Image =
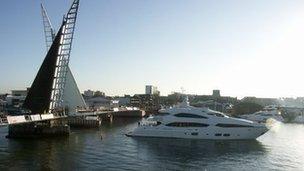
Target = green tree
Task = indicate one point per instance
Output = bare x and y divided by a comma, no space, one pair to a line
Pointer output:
246,108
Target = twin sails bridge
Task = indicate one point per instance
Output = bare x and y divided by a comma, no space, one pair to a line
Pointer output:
54,101
54,95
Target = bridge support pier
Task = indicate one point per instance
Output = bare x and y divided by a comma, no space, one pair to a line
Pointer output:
82,122
50,128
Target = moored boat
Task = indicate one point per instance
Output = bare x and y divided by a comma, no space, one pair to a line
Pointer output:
185,121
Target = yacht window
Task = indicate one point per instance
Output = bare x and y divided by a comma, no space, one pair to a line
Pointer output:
231,125
218,134
216,114
150,123
226,135
187,124
163,114
194,133
188,115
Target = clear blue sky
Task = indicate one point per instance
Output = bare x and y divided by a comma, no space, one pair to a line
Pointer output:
243,48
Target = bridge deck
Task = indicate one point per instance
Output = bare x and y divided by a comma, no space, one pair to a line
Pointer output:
21,119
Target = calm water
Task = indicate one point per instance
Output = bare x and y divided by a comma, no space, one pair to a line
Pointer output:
282,148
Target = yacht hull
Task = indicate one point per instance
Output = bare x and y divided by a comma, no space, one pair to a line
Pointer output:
210,133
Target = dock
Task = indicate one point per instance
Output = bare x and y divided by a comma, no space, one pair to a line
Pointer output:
46,125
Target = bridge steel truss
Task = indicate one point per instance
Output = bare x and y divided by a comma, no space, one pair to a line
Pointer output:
49,32
64,52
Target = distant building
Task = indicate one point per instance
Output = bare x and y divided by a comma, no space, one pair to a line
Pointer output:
124,101
172,99
2,105
214,101
98,103
292,102
147,102
88,93
3,96
2,102
99,94
216,93
16,98
152,90
261,101
20,92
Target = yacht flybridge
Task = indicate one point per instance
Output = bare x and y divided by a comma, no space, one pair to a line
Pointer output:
185,121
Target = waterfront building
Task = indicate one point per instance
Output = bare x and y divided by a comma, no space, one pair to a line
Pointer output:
16,101
98,103
124,101
16,98
147,102
103,103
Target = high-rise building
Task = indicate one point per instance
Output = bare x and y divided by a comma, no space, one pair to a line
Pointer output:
152,90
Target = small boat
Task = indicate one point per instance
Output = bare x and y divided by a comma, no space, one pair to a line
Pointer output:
299,119
269,112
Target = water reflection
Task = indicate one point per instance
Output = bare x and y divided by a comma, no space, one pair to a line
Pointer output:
196,153
39,154
84,149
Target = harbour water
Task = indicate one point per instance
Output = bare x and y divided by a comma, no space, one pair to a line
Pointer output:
282,148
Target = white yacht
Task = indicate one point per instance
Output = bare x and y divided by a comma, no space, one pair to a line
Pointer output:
299,119
185,121
293,114
269,112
